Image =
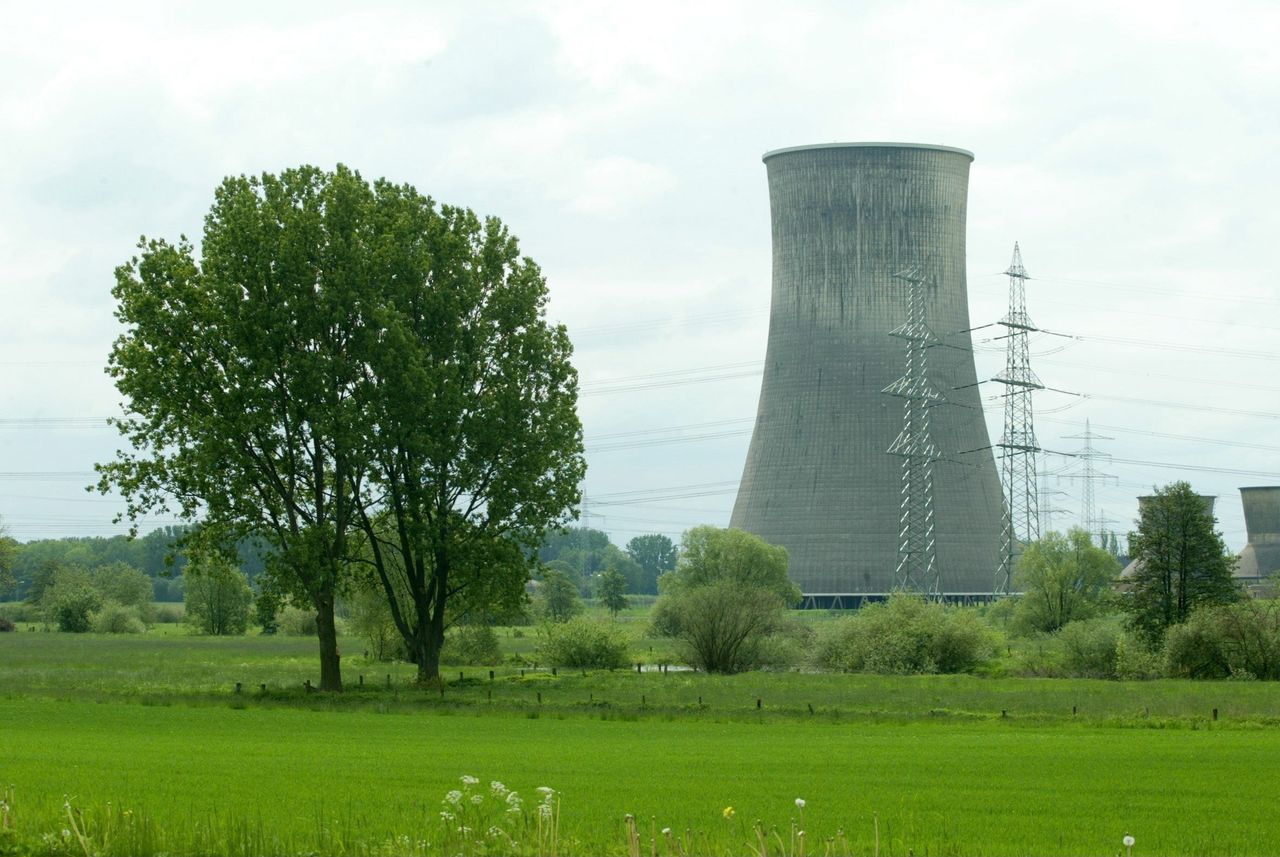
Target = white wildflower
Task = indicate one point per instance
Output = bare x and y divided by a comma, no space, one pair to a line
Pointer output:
477,799
544,810
513,798
666,831
454,797
545,791
495,832
66,834
446,815
497,788
800,803
468,780
1128,841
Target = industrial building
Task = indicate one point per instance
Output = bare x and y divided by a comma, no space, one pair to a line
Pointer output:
1260,558
847,220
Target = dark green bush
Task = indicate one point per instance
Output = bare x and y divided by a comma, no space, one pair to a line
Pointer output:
906,635
582,642
1240,640
116,618
471,645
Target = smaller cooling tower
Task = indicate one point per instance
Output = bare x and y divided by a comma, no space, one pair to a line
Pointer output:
1261,556
1208,501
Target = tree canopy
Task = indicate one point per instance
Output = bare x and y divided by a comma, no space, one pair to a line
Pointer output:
1181,561
728,592
1062,578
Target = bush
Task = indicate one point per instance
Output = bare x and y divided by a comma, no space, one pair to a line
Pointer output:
582,642
168,614
116,618
70,600
906,635
1228,641
371,621
471,645
1089,647
296,622
5,625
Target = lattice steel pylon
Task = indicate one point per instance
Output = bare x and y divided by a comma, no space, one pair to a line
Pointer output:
917,560
1088,475
1017,446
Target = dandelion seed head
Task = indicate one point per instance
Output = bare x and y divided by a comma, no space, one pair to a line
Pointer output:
800,802
1128,841
666,831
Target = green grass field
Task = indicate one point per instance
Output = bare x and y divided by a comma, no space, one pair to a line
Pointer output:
150,725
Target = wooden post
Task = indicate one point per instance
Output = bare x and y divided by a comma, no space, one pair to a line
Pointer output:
263,687
237,687
362,681
521,673
388,679
1215,714
553,670
642,701
307,685
1004,713
490,675
758,703
1073,711
638,669
459,675
539,697
811,708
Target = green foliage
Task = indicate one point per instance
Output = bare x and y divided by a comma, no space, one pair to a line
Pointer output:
126,585
372,622
655,554
728,593
472,645
585,643
8,553
1062,579
1182,562
116,618
1090,646
611,590
70,598
217,598
296,621
906,635
1239,640
557,599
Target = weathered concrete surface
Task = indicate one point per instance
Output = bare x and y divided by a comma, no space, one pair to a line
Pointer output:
818,479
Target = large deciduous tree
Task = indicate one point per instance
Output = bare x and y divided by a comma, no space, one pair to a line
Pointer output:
1181,561
474,441
656,554
238,370
1062,578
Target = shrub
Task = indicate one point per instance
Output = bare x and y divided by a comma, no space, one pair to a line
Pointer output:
1089,647
906,635
371,621
169,614
582,642
296,622
471,645
71,600
5,625
1226,641
116,618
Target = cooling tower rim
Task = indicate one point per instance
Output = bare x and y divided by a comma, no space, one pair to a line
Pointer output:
767,155
1260,488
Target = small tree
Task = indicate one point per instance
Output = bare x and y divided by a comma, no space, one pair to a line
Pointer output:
1182,562
611,589
217,597
1062,579
8,553
70,599
127,586
655,554
728,592
558,596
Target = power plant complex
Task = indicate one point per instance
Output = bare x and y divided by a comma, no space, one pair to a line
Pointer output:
870,459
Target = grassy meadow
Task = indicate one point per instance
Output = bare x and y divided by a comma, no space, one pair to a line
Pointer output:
146,739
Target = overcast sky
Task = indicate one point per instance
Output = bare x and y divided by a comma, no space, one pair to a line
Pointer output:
1130,147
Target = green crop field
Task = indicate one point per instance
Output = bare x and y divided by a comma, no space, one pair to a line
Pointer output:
156,754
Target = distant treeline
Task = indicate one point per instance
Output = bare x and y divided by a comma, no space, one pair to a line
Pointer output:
153,554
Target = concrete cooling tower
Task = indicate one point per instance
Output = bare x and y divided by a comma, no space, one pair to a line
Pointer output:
819,479
1261,556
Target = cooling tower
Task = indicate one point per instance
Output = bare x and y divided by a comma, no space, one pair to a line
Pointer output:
818,478
1261,556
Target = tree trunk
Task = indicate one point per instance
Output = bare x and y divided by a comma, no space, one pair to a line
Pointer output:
327,630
